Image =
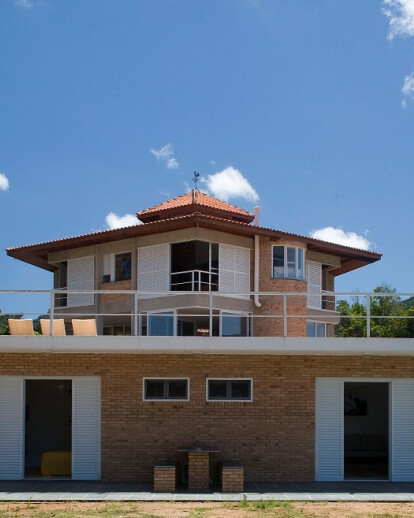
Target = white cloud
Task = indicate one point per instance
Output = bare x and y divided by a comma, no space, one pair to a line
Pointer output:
408,86
114,221
230,183
401,17
339,236
166,155
26,4
4,182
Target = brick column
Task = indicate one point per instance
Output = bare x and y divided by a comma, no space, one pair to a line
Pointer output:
198,470
164,478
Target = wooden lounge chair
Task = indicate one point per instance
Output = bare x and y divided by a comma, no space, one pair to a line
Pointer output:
84,327
58,327
21,327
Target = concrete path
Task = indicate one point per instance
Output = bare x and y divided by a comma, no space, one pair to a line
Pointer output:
68,490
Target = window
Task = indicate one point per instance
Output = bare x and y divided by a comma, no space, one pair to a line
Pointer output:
194,266
234,324
161,324
157,389
288,262
229,389
116,267
316,329
123,266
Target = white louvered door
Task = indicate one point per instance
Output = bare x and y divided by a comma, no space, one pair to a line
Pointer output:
154,269
86,428
234,270
402,431
314,280
329,449
11,428
81,276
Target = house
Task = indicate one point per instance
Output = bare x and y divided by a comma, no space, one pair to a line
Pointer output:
211,330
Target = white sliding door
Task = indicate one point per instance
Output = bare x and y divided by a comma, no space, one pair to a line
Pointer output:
11,428
329,424
86,428
402,430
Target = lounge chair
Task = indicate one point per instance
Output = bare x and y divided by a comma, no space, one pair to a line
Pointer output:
21,327
84,327
58,327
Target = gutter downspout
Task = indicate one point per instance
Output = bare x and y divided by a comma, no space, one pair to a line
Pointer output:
256,260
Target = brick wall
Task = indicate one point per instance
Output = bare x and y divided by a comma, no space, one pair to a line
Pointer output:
272,438
273,305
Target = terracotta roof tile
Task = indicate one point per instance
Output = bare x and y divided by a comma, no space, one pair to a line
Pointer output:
195,197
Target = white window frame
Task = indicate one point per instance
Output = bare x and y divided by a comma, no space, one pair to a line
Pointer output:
165,378
230,400
285,267
315,322
238,313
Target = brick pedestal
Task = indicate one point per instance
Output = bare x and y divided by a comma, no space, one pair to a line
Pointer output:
164,477
232,477
198,470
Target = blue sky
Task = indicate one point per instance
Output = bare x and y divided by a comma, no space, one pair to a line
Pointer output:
108,106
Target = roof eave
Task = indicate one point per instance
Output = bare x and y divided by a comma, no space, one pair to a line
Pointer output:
37,254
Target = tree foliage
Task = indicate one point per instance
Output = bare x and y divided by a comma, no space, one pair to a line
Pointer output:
390,316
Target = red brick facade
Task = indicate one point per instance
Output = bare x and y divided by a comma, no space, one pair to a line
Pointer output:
272,437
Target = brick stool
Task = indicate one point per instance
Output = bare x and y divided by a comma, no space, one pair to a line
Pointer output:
164,477
232,477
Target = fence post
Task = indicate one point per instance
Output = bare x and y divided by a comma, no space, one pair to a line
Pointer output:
285,332
52,311
135,313
368,316
210,331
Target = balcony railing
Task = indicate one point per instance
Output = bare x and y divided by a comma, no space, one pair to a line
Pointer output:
194,280
282,314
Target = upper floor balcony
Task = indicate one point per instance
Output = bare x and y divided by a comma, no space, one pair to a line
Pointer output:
363,323
268,314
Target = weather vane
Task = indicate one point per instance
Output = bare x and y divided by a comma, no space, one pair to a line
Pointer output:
196,178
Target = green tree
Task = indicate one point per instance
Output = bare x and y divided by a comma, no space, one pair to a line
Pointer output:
383,309
4,324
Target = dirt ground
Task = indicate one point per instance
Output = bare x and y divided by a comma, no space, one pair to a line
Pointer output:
261,509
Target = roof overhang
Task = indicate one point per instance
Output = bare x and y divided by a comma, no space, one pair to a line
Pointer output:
37,254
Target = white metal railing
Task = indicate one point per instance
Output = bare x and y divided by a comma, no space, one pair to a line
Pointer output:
194,280
211,312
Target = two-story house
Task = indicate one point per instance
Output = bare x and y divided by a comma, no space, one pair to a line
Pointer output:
211,330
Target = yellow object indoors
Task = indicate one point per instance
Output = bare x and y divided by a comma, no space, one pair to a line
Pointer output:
56,463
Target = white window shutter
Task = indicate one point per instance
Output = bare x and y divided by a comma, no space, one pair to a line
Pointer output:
242,271
81,276
234,270
154,269
402,434
329,449
86,428
314,279
11,428
226,268
161,268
